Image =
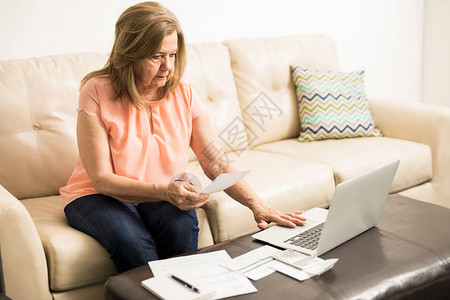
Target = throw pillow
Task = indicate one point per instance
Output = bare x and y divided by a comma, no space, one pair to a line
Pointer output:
332,105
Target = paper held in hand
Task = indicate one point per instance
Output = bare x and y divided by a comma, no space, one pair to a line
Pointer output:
224,181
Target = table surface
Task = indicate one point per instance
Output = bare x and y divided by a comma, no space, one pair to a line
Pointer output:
407,256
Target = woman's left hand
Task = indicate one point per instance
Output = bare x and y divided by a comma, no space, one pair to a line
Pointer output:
264,215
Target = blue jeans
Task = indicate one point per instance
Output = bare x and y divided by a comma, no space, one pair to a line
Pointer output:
134,234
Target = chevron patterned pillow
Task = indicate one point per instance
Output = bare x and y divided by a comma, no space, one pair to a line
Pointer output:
332,105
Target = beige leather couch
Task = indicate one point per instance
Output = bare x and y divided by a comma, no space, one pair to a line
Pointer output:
250,97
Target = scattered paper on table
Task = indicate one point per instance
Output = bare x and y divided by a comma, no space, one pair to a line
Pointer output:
230,277
265,260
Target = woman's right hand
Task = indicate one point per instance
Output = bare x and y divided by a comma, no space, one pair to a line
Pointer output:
185,196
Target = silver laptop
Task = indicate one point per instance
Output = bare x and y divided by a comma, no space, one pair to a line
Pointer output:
356,206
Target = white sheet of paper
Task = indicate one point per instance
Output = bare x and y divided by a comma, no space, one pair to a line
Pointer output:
254,264
224,181
206,268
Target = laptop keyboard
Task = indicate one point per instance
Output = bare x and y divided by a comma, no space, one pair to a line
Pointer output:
307,239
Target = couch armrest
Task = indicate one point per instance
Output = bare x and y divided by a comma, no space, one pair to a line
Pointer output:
422,123
23,258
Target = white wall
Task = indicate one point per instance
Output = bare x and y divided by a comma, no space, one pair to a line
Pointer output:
436,52
384,37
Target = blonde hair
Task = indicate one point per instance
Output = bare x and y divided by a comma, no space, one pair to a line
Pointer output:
139,33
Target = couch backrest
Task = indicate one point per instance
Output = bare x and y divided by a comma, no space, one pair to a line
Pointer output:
38,100
261,69
209,71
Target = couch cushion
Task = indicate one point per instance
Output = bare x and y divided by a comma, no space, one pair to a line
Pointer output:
352,157
332,105
209,71
39,97
283,182
261,69
74,259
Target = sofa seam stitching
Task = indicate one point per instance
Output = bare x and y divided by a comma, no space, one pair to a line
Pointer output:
323,287
418,288
440,256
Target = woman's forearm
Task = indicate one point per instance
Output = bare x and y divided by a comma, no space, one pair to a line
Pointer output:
129,190
243,193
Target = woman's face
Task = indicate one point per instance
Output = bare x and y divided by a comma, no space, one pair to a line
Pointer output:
153,72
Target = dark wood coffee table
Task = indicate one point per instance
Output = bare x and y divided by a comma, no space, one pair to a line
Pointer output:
406,256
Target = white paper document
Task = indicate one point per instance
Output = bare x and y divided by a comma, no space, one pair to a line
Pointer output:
265,260
224,181
206,268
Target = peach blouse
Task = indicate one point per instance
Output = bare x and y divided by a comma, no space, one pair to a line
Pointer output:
146,149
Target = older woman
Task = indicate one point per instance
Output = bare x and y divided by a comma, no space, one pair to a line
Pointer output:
136,124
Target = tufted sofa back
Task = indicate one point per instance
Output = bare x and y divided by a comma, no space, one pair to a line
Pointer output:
261,69
38,100
209,71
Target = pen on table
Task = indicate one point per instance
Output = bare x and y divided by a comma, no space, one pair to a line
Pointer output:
185,283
